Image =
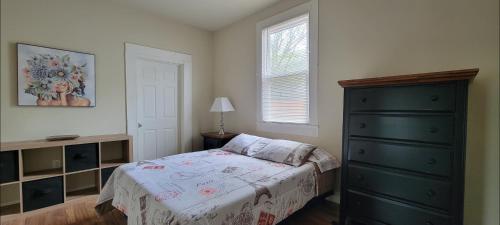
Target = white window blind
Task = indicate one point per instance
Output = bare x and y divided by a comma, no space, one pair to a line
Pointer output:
285,71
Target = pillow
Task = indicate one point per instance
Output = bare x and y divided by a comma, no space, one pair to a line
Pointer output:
284,151
257,146
324,160
239,143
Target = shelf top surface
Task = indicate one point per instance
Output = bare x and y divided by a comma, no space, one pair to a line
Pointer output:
17,145
466,74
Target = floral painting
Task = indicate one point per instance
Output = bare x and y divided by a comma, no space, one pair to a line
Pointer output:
54,77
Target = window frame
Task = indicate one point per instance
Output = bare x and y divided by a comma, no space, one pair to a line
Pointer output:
304,129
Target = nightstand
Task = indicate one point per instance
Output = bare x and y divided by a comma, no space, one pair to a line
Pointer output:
213,140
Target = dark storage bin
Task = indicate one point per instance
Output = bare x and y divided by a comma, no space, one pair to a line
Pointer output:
9,166
105,174
81,157
42,193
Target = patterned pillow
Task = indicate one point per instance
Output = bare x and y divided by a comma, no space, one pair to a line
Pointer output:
257,146
240,143
284,151
324,160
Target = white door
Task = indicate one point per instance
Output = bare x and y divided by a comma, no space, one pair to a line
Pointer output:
159,99
157,117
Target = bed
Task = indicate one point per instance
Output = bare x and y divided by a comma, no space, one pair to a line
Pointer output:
212,187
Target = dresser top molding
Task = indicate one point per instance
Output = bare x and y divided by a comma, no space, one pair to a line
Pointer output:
420,78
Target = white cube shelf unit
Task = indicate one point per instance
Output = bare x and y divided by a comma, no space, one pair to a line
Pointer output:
38,174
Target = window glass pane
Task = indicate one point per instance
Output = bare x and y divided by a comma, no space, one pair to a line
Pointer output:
285,79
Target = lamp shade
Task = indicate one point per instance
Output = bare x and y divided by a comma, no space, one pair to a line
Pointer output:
221,104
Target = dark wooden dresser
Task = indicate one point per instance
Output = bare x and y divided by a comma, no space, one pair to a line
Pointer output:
404,149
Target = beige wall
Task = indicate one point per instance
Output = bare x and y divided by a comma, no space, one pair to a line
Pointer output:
100,28
364,38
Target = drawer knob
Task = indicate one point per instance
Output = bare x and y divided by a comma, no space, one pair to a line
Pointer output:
434,98
362,125
364,100
433,130
431,161
429,223
361,177
431,193
361,151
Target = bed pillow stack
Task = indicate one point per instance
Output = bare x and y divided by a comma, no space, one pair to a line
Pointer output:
281,151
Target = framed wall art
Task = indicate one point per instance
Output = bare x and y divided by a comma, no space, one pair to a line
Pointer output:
55,77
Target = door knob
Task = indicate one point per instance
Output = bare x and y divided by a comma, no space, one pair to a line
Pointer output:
139,125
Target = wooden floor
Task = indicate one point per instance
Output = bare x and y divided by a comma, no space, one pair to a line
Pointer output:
81,212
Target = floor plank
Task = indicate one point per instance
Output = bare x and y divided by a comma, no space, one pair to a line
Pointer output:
81,212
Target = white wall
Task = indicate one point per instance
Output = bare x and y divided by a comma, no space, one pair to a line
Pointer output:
101,28
366,38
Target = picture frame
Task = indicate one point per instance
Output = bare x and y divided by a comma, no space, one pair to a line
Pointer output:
52,77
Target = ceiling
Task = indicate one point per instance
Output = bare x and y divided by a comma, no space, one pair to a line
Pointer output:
205,14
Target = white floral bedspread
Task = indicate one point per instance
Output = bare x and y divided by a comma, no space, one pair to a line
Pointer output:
209,188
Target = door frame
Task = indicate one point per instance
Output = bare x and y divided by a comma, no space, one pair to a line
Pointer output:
184,61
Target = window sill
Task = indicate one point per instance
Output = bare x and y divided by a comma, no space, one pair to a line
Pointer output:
289,128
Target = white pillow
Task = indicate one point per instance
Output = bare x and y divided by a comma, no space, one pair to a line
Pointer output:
240,143
324,160
257,146
284,151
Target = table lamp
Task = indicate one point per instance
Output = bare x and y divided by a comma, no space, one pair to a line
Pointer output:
221,104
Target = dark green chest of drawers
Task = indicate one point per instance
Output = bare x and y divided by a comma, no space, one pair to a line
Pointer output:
404,149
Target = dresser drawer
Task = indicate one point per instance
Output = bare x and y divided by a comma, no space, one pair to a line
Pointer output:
435,129
391,212
404,98
420,159
42,193
81,157
417,189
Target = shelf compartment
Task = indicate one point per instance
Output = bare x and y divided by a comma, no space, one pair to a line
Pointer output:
82,184
105,174
9,165
81,157
10,202
114,153
39,163
42,193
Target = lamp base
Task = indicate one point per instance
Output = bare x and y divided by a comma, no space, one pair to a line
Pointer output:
221,130
221,126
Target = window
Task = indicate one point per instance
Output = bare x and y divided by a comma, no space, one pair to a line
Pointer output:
287,71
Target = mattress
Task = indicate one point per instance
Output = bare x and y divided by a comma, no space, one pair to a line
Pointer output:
211,187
